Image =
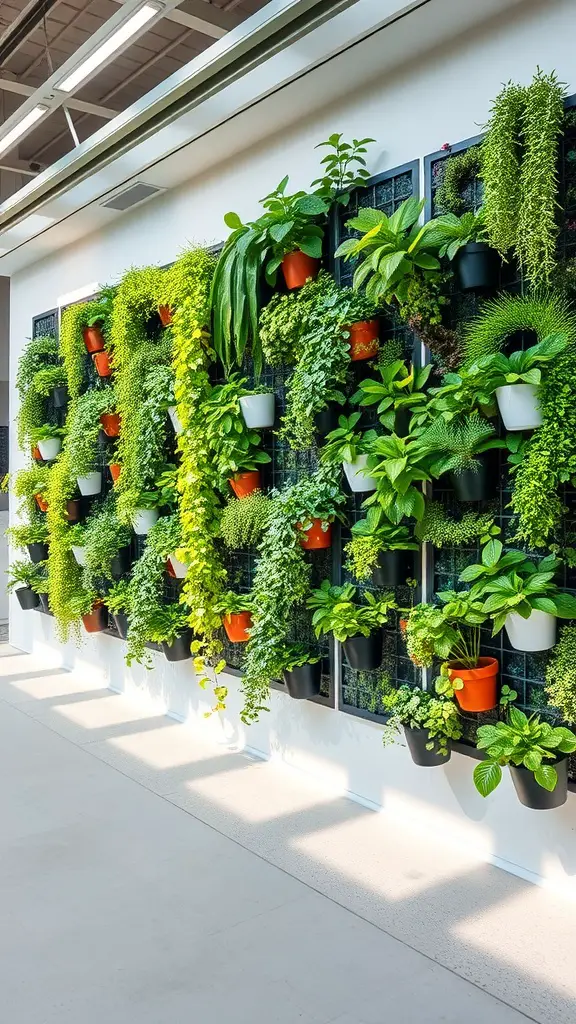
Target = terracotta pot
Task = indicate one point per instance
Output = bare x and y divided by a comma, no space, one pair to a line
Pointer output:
110,423
244,484
403,626
36,453
165,314
41,502
93,339
115,470
73,511
236,626
102,364
96,620
316,538
363,339
169,569
298,268
480,684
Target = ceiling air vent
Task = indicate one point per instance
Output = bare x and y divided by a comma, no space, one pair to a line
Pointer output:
136,193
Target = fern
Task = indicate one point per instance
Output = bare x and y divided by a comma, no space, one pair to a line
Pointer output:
544,313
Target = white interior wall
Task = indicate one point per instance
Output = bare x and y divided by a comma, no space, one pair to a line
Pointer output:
444,97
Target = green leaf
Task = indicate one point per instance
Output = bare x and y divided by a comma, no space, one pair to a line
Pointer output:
232,220
312,206
312,247
546,776
279,231
487,776
491,553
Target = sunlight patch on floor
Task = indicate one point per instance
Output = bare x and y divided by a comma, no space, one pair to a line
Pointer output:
168,746
111,710
257,792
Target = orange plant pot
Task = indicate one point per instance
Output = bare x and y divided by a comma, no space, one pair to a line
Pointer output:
237,626
36,453
115,470
96,620
480,684
165,314
316,538
102,364
244,484
110,423
93,339
169,569
364,335
41,502
298,268
403,626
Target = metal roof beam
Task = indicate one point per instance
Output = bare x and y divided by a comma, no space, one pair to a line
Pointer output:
23,25
7,85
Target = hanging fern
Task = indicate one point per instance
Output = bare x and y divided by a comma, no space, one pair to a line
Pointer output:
544,313
459,171
501,165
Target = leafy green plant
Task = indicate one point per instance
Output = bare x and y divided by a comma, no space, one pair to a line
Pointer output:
103,536
399,464
49,378
83,428
457,232
461,394
64,574
145,592
501,155
295,655
231,603
459,171
29,482
100,311
46,432
372,535
561,675
441,529
526,588
344,168
419,709
143,440
33,532
72,348
454,448
447,631
117,599
244,520
345,443
520,367
32,368
168,622
26,574
235,446
525,742
401,389
501,317
335,611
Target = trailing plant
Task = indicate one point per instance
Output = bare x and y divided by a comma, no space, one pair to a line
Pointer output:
561,675
501,156
31,481
83,427
72,348
447,631
459,171
117,599
400,465
49,378
244,520
104,535
64,573
143,435
26,574
454,448
32,371
37,354
420,709
100,310
335,611
167,487
524,741
401,389
372,535
145,592
235,447
441,529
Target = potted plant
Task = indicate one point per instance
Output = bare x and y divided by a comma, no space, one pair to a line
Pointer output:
73,511
301,671
430,722
102,363
165,314
32,580
357,627
33,536
82,439
535,752
258,408
115,470
465,240
515,380
49,441
117,602
236,612
76,539
51,382
399,465
399,395
455,449
379,550
111,423
98,313
234,444
352,448
90,483
318,503
244,520
170,629
91,609
103,542
146,512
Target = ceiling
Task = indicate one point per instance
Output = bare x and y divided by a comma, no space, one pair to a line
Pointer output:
38,36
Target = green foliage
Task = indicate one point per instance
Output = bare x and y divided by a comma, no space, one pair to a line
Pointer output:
526,742
33,532
520,367
421,709
344,168
561,675
104,535
83,427
372,535
145,592
38,359
117,598
231,603
49,378
27,574
450,631
454,448
168,623
514,583
501,167
460,170
459,231
400,465
401,389
46,432
72,348
244,520
295,655
64,574
234,446
29,482
441,529
345,443
335,611
544,314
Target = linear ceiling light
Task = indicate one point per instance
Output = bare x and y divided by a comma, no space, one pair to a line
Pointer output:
23,126
131,27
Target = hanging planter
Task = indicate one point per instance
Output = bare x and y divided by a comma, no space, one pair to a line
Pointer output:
27,599
90,484
110,423
326,420
244,484
258,410
392,569
165,314
364,653
474,485
115,470
121,563
120,620
179,569
358,481
41,502
519,406
179,649
60,397
237,625
73,511
316,539
79,552
536,633
417,740
96,620
532,795
36,453
479,692
298,268
364,336
303,681
44,605
143,520
477,267
175,419
102,364
50,448
93,339
37,552
403,623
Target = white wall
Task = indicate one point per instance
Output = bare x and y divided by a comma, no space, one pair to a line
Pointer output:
442,97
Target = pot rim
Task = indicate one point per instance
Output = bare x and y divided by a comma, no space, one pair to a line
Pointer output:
485,668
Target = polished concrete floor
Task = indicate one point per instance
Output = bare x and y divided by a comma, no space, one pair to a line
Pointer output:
147,877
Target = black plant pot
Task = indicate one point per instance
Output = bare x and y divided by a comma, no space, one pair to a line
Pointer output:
44,603
38,552
179,649
402,423
392,569
27,599
475,486
477,267
417,740
303,682
121,623
364,653
326,420
60,397
532,795
121,563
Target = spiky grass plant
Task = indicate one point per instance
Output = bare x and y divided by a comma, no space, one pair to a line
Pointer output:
544,313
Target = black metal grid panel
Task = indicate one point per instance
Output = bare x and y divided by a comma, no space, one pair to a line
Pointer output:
361,692
45,324
434,167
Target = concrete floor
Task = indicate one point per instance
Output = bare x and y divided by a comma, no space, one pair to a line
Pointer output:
147,877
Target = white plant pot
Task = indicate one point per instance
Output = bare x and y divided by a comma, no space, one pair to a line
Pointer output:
519,407
258,411
536,633
180,568
50,448
175,419
79,554
144,519
90,484
355,476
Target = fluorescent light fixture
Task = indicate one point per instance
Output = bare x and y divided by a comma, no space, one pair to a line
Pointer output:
116,41
20,129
